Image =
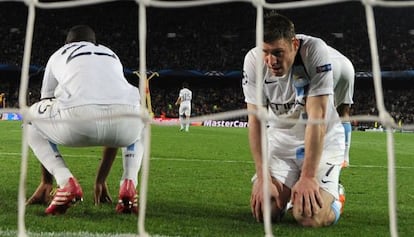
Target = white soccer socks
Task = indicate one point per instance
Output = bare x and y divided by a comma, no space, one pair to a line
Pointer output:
348,131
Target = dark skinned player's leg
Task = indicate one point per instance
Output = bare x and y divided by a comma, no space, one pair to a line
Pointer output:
101,194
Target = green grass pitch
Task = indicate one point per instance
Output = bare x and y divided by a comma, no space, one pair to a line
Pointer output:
199,185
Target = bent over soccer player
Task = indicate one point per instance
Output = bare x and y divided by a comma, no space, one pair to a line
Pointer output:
304,157
83,91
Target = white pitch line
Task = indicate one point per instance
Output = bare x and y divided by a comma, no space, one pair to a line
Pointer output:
5,233
5,154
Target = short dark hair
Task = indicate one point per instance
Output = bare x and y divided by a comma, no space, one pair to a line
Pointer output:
276,27
185,84
81,33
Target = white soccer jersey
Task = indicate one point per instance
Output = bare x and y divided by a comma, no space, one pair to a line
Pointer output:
311,75
67,78
343,74
344,78
185,106
185,95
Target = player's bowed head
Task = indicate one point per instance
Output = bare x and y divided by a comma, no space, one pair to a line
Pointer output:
81,33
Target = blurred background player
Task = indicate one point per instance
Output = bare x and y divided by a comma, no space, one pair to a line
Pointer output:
2,100
184,111
304,158
344,79
83,88
2,103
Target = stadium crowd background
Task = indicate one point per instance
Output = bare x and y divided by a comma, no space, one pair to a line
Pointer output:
212,38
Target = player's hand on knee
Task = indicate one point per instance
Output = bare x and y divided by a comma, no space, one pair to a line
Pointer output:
42,195
256,207
306,198
101,194
257,199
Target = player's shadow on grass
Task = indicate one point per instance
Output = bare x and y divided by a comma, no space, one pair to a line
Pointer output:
83,209
225,216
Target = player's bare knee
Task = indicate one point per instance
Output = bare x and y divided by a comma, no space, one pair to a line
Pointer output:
323,218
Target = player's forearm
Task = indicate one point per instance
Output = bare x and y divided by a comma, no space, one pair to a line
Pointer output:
108,157
314,134
314,137
255,144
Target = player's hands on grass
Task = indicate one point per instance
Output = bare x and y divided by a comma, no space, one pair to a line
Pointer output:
41,195
257,198
101,194
306,198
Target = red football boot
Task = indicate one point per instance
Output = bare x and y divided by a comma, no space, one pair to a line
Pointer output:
65,197
128,198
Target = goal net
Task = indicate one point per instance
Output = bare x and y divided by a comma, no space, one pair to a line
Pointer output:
382,116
